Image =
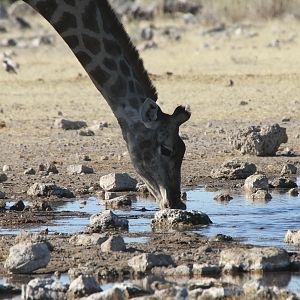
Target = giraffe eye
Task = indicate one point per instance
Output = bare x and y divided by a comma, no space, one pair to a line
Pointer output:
165,150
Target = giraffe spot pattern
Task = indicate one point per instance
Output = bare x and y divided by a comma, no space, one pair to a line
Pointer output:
91,44
99,75
72,41
111,47
47,10
89,17
83,57
124,68
118,88
134,103
139,88
66,22
110,64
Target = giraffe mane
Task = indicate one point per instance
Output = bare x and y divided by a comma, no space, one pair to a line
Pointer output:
130,51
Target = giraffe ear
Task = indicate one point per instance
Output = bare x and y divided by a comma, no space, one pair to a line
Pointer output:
149,111
181,114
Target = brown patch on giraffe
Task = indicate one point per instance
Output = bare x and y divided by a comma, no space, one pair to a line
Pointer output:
91,44
111,47
118,88
124,68
46,10
110,64
70,2
72,41
83,57
66,22
134,102
99,75
89,17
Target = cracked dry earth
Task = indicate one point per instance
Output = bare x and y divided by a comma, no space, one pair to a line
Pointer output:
50,84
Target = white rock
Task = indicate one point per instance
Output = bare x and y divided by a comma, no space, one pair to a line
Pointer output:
88,239
115,182
44,289
146,261
107,220
83,286
27,257
256,182
292,237
114,243
79,169
255,259
6,168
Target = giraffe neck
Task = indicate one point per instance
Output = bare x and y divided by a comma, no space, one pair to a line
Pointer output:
100,43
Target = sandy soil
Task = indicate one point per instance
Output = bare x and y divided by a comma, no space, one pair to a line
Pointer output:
194,70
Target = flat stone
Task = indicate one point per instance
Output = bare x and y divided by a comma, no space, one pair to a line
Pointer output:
79,169
234,169
206,270
118,202
3,177
256,182
68,124
283,183
259,140
255,259
44,288
118,182
27,257
146,261
179,218
88,239
49,189
288,169
107,220
292,237
113,243
83,286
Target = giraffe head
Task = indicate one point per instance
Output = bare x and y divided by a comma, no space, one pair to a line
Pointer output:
157,150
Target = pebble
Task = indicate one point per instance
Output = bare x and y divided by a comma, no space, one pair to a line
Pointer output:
29,171
68,124
6,168
2,195
3,177
79,169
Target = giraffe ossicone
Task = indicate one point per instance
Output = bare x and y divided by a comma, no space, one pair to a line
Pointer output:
102,46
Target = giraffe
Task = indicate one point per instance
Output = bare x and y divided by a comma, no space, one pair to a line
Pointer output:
99,41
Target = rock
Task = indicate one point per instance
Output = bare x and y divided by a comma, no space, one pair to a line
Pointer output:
79,169
49,189
118,182
114,294
171,293
147,33
146,261
228,292
292,237
131,290
2,195
3,177
40,206
18,206
49,168
182,6
107,220
261,195
83,286
44,288
288,169
283,183
221,238
114,243
7,289
206,270
109,195
254,259
6,168
259,140
69,125
27,257
256,182
119,201
179,218
234,169
86,132
293,192
181,270
87,239
223,197
29,171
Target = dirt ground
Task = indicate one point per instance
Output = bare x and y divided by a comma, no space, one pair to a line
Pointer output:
261,60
